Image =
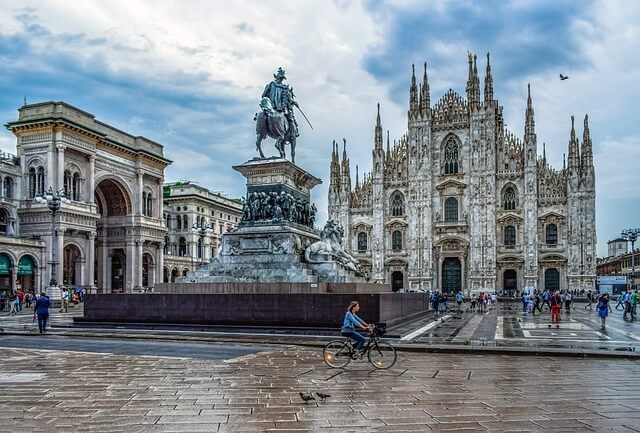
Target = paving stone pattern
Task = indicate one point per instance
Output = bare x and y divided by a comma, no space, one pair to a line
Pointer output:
61,391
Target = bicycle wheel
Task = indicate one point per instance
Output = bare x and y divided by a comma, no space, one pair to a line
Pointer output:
382,355
337,353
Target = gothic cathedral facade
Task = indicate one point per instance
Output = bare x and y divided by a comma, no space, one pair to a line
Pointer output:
459,202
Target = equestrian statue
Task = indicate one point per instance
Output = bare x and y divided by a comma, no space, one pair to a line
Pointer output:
276,118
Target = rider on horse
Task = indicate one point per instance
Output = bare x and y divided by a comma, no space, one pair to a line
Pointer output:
282,99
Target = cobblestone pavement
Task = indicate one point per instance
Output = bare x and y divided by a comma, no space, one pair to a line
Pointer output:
507,325
61,391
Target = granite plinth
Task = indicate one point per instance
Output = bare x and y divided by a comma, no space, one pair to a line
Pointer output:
294,309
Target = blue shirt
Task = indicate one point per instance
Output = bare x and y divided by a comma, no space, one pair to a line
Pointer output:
42,305
350,322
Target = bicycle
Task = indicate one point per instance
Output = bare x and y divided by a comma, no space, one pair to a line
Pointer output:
381,354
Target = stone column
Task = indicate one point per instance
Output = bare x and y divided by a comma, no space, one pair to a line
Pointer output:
160,263
60,167
138,193
104,268
131,269
90,268
14,277
138,271
59,255
90,193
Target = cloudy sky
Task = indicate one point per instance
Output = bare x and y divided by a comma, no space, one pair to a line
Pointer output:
189,75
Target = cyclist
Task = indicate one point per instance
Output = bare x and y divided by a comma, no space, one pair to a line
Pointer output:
351,321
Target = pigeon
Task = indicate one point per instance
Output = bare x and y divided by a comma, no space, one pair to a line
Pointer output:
563,77
306,397
322,395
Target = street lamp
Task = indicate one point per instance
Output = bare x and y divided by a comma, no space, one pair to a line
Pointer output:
202,231
631,235
53,199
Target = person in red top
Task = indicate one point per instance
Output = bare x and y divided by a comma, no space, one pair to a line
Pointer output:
556,306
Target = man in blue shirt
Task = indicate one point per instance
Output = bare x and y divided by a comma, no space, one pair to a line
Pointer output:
351,321
42,310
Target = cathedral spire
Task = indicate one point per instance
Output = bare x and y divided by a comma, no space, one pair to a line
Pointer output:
473,92
529,123
488,84
346,170
587,148
357,177
544,153
378,132
425,102
413,93
574,152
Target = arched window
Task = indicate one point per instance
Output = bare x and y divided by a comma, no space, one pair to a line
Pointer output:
510,236
396,241
8,187
185,222
185,271
32,183
179,222
451,164
166,244
200,249
168,221
509,199
397,205
147,204
40,182
144,203
362,242
67,184
4,221
552,234
75,188
182,249
451,210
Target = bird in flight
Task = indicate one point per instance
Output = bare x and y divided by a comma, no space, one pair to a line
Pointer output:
563,77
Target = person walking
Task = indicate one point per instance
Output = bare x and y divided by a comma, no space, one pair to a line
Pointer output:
568,298
13,303
536,305
556,306
589,301
634,304
620,301
42,311
459,299
65,301
546,296
627,305
603,309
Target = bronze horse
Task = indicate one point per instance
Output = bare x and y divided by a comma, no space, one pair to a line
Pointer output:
274,124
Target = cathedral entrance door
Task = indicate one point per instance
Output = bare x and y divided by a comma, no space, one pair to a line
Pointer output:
552,279
510,281
397,281
451,275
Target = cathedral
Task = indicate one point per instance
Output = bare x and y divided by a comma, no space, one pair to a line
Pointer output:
460,202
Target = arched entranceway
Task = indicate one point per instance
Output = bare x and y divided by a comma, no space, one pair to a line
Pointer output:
451,275
174,274
6,264
165,275
147,270
115,272
71,269
510,281
397,281
552,279
118,268
26,279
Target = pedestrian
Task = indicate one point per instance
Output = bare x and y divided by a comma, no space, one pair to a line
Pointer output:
459,299
603,309
435,299
634,303
589,301
494,298
42,311
568,298
525,301
546,296
537,300
65,301
620,301
627,305
76,300
531,301
13,303
556,306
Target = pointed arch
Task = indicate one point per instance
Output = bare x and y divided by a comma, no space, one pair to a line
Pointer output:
450,155
509,197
